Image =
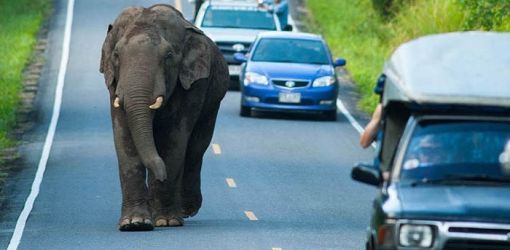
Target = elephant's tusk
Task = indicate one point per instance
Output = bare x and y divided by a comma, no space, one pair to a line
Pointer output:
116,102
157,104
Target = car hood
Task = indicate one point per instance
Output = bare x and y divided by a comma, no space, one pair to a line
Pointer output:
290,70
232,35
464,203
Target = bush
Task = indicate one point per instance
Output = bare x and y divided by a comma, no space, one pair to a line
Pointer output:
389,8
487,14
365,32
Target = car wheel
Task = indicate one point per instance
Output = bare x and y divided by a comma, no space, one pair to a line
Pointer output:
234,85
330,115
245,111
369,245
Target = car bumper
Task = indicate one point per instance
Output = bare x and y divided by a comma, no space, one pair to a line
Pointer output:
311,99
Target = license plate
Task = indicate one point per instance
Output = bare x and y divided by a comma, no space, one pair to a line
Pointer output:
289,97
234,70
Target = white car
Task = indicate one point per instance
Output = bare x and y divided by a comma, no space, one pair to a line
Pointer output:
233,26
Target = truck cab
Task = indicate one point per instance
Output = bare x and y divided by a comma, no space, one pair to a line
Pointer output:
442,167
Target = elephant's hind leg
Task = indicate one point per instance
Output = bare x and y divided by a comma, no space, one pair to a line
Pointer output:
198,144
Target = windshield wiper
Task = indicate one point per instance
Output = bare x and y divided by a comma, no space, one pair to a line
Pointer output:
456,179
480,178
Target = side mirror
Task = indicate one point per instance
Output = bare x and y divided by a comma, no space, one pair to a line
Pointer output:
339,62
240,57
288,27
379,85
367,174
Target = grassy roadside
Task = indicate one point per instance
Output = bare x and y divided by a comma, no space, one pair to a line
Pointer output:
355,31
20,21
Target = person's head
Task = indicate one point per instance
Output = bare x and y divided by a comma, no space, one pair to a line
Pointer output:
430,150
277,1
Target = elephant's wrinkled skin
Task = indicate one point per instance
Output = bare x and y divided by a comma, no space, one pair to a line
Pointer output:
166,80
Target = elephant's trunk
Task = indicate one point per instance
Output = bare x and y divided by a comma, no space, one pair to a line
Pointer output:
140,120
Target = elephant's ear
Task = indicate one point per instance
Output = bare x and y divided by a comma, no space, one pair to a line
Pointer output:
106,66
115,32
196,61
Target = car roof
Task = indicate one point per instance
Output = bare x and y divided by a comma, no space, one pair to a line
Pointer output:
467,68
292,35
251,4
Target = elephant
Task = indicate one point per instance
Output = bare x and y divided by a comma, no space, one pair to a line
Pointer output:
166,80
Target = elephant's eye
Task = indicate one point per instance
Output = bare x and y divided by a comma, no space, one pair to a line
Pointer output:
115,55
168,55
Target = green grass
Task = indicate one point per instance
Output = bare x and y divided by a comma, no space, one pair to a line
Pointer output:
20,21
355,31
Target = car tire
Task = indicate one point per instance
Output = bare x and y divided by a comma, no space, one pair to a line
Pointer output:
369,245
330,115
245,111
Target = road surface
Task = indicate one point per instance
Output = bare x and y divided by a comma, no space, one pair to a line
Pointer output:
269,182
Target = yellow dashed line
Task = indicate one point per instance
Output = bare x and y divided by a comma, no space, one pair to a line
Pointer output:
216,149
231,183
250,215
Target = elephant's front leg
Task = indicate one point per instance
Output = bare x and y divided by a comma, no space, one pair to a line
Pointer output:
166,196
136,215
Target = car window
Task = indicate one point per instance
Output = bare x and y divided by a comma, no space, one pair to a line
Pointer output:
442,149
243,18
290,50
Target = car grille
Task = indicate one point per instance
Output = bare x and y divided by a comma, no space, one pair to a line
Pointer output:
297,84
476,245
473,230
227,47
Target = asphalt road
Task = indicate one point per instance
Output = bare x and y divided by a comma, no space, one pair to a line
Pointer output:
269,182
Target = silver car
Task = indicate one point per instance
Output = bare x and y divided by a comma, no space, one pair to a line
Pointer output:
233,26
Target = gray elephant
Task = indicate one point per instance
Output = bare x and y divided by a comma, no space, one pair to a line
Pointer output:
166,80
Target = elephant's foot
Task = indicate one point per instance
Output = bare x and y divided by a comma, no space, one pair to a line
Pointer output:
135,223
169,221
189,211
191,204
136,216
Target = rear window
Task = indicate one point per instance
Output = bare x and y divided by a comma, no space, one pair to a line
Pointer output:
291,51
242,18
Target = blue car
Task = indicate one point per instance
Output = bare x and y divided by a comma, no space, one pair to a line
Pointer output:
289,71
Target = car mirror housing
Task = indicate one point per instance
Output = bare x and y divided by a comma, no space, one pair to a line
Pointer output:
340,62
240,57
366,173
288,27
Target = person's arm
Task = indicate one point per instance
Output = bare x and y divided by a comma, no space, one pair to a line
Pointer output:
370,132
281,7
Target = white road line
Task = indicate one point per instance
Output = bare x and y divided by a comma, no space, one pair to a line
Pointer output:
250,215
22,220
216,149
231,183
350,118
339,103
348,115
276,248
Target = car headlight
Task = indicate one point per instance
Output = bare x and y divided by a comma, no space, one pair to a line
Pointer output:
252,77
324,81
416,235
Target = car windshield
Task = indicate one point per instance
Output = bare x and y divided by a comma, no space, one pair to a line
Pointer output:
239,17
460,151
290,51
